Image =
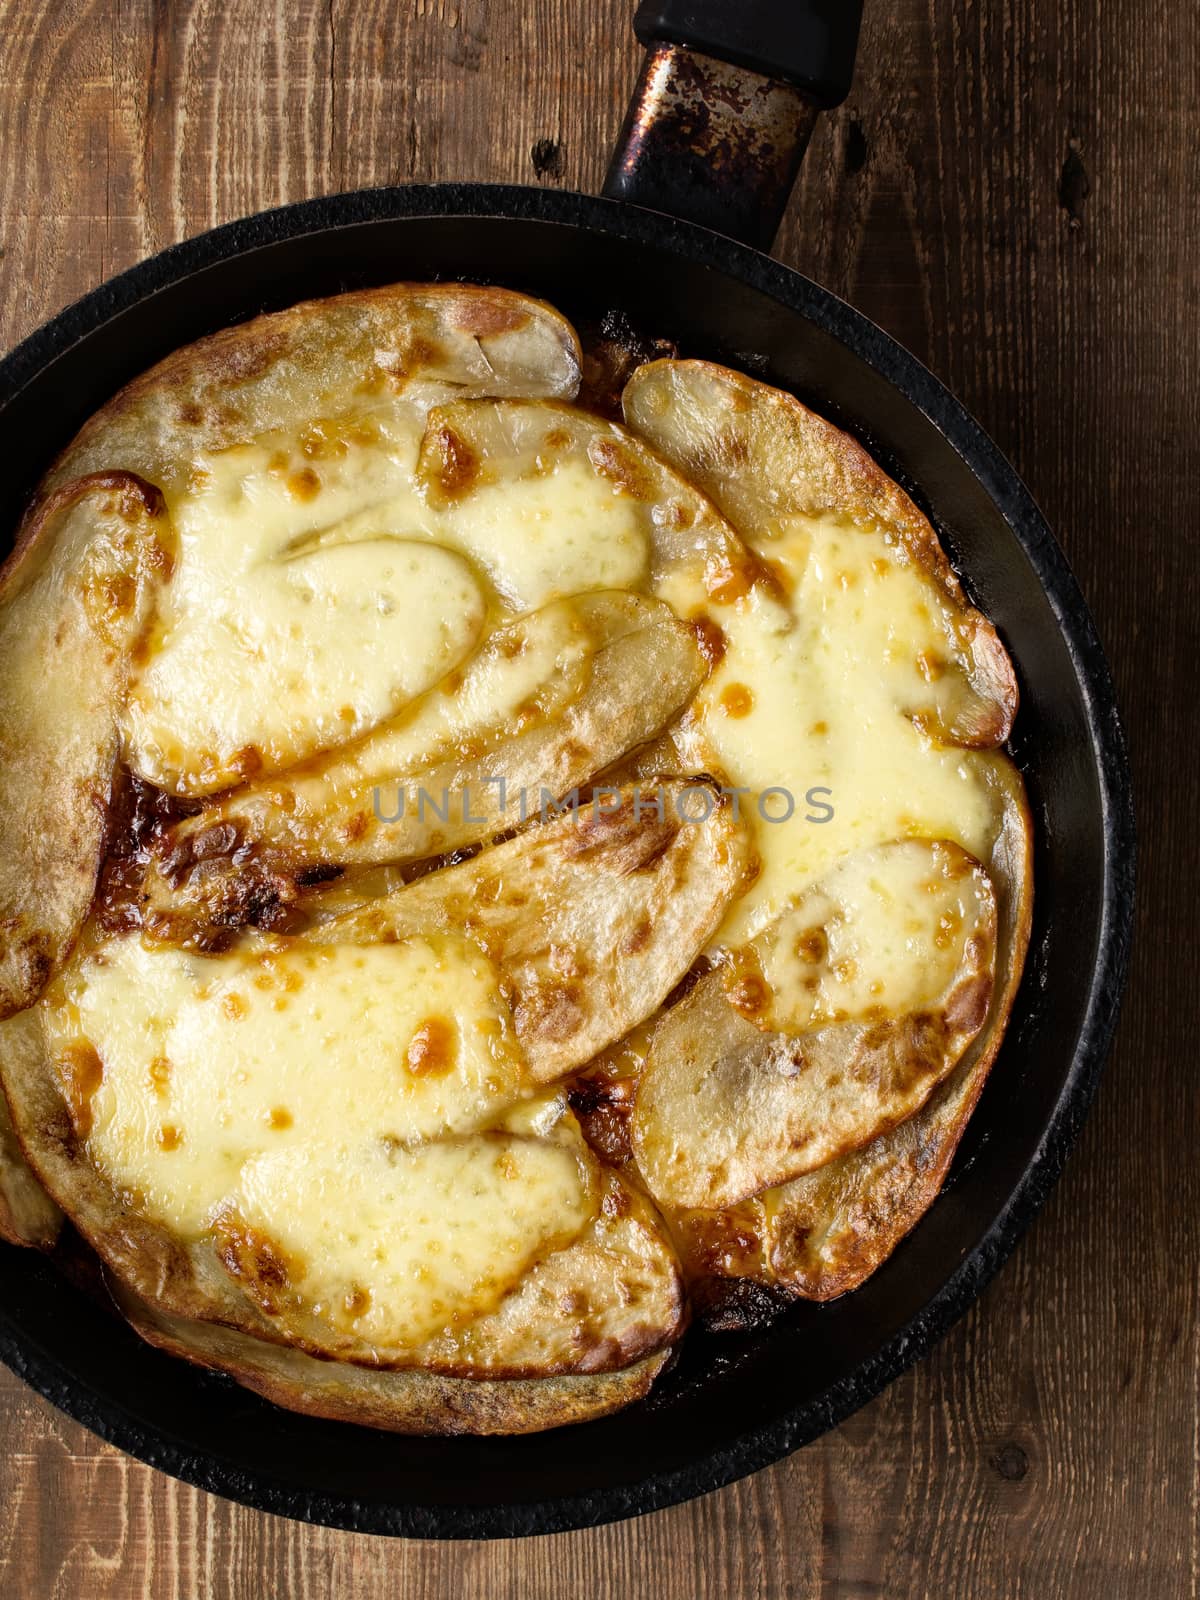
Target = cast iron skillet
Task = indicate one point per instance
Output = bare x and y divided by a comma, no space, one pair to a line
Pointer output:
715,143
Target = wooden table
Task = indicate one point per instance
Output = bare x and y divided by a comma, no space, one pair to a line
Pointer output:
1012,192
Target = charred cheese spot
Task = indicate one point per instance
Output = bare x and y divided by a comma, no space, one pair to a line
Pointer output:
80,1073
356,1302
304,485
251,1256
618,464
736,700
458,467
433,1048
711,640
726,581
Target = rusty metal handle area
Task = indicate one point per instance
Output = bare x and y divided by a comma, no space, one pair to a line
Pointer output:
727,98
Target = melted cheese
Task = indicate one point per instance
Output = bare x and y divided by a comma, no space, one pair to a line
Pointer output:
326,1104
207,1063
550,534
885,933
298,656
271,647
815,696
542,659
316,594
398,1244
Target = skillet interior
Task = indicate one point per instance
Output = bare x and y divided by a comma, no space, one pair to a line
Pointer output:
733,1403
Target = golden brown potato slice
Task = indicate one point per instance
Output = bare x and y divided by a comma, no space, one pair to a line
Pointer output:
549,699
409,1401
74,602
828,1231
768,462
366,1250
596,1303
832,1026
592,919
291,371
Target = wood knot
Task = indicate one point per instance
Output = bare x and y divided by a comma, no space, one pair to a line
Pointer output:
1011,1463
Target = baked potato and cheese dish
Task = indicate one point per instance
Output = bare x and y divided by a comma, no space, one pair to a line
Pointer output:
478,878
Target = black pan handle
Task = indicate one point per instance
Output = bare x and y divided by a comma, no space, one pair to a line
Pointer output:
727,99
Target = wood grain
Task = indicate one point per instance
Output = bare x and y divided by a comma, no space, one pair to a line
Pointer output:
1012,192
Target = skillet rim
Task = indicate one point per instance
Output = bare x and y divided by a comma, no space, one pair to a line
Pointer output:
764,1444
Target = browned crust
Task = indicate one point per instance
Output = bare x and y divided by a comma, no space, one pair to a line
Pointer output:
827,1232
410,1402
34,537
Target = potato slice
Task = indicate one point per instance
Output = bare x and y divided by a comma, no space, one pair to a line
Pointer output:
767,462
592,919
828,1231
548,700
831,1027
74,603
368,1251
543,501
409,1401
477,1305
297,371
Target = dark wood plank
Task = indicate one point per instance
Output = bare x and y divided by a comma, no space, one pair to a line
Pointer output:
1011,191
